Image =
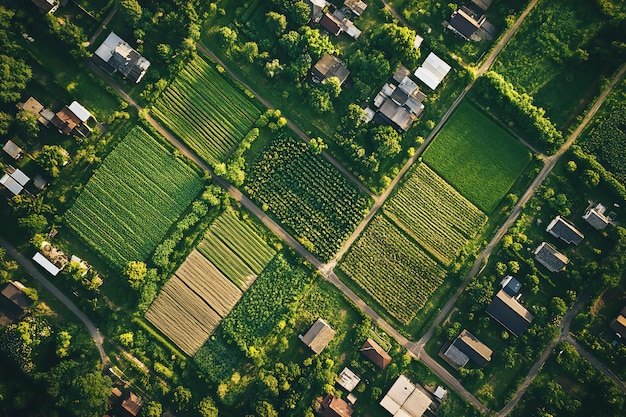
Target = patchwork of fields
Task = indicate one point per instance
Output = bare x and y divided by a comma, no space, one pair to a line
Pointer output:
132,199
205,111
477,157
307,195
434,214
392,269
209,283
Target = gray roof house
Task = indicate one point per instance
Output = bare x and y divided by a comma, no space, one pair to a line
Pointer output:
466,21
562,229
552,259
595,217
510,285
507,311
329,66
319,336
116,55
465,347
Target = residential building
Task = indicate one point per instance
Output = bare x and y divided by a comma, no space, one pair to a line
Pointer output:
465,347
14,180
317,9
13,150
619,324
335,407
510,285
466,21
432,71
50,258
47,6
115,55
552,259
329,66
73,119
347,379
396,115
596,218
132,404
507,311
13,303
356,6
319,336
376,354
405,399
562,229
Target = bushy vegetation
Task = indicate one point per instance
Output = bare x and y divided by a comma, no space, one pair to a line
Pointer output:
477,157
393,270
205,111
434,214
306,194
132,199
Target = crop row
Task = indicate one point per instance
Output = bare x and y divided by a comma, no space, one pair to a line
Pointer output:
432,212
182,316
205,111
132,199
393,270
307,195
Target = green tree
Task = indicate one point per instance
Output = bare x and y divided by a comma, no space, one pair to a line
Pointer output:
207,407
590,178
333,86
396,42
265,409
249,52
14,75
135,273
182,398
5,123
131,10
64,339
276,22
51,158
33,223
27,124
273,67
317,145
226,37
388,140
152,409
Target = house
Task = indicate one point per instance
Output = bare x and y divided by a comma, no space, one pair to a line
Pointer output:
356,6
408,86
331,24
335,407
401,73
132,404
405,399
47,6
619,324
376,354
116,55
13,150
396,115
329,66
346,25
114,398
348,380
562,229
319,336
432,71
510,285
73,119
466,21
507,311
50,258
595,217
417,42
13,303
453,355
440,393
465,347
14,180
548,256
317,9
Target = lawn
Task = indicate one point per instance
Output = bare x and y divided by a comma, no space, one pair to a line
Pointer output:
132,199
208,113
477,157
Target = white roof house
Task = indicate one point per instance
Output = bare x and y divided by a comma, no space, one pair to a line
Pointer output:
405,399
123,58
79,111
46,264
432,71
348,379
11,184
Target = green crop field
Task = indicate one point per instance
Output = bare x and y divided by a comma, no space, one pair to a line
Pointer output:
235,249
132,199
318,205
205,111
477,157
434,214
393,270
551,57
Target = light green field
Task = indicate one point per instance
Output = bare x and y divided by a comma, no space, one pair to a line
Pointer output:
477,157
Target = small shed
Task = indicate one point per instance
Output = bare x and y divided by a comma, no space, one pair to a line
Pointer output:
348,380
46,264
319,336
375,353
13,150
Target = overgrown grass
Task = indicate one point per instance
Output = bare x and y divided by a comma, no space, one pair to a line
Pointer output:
477,157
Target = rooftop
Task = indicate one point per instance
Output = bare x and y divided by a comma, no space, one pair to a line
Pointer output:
562,229
473,348
432,71
406,399
329,66
372,351
335,407
509,313
548,256
13,150
510,285
348,379
595,217
14,292
319,336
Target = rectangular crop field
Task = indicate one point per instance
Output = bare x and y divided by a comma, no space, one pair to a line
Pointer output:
309,196
559,52
236,249
205,111
434,214
477,157
132,199
393,270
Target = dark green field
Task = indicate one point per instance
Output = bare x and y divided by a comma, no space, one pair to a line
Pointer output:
477,157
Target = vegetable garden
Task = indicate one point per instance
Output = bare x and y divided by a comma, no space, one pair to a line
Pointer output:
434,214
132,199
307,195
393,270
205,111
477,157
